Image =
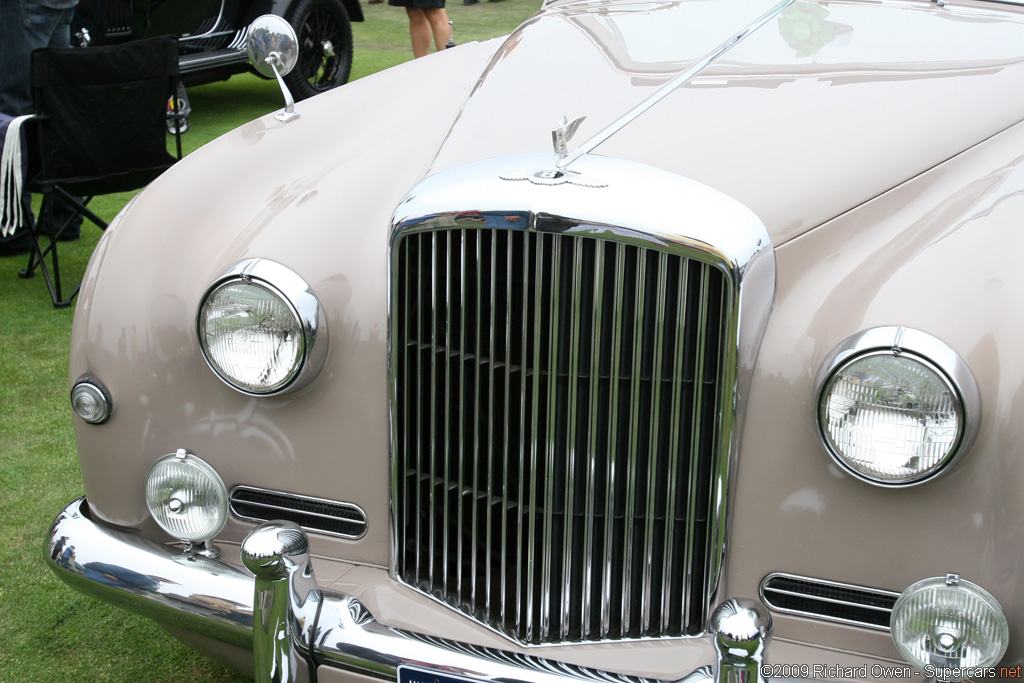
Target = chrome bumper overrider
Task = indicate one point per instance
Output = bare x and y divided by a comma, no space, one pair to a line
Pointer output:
299,627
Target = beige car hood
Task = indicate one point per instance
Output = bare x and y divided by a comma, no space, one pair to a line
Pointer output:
822,108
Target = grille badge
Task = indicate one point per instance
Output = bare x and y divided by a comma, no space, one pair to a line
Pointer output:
555,177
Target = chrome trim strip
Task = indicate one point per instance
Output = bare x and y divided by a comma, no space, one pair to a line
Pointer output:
764,592
592,143
636,207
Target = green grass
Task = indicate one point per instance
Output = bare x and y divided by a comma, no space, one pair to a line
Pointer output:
49,632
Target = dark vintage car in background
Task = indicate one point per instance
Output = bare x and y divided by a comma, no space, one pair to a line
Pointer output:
212,34
668,340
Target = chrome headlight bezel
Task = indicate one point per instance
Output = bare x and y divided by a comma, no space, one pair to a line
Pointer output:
928,351
298,297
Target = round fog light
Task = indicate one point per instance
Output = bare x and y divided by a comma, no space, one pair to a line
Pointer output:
187,497
949,623
91,402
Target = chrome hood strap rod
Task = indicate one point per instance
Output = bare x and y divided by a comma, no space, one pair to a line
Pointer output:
683,77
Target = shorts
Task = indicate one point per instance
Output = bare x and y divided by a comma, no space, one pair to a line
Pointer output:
417,4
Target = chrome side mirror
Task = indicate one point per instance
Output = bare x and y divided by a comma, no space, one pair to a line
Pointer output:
273,51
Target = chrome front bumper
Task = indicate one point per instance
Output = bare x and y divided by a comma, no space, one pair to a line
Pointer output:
294,627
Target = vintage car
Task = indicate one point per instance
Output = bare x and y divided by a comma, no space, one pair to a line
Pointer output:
662,340
212,35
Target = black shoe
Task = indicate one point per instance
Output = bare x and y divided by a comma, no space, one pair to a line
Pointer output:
470,2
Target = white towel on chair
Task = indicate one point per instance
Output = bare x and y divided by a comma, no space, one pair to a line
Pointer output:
11,182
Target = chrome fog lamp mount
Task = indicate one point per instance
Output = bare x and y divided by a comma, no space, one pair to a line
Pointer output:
946,626
91,401
188,499
261,329
896,406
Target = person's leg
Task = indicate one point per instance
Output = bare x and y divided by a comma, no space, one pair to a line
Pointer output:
20,38
27,26
61,35
439,26
15,98
419,31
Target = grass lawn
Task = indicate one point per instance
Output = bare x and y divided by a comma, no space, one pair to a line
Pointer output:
47,631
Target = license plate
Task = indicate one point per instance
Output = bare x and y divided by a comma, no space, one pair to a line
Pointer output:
411,674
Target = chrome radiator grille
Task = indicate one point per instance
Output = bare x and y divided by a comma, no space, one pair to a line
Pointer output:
558,407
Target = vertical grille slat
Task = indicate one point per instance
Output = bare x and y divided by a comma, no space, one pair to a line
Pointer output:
675,436
431,473
492,447
608,586
479,311
443,304
463,444
636,412
696,426
534,442
586,597
572,437
557,402
650,551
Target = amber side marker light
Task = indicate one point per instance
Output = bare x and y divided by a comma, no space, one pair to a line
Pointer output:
949,628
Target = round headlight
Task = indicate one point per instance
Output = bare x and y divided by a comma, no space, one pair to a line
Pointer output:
949,623
261,328
187,497
896,406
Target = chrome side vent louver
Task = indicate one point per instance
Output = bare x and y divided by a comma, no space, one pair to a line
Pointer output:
828,600
313,514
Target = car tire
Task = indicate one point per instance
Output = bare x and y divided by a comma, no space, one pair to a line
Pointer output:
325,47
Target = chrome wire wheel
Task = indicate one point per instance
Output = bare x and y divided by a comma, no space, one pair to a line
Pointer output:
325,47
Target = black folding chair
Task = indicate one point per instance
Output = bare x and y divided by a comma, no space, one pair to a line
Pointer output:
100,127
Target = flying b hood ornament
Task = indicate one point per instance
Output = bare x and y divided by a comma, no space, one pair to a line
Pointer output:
560,138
